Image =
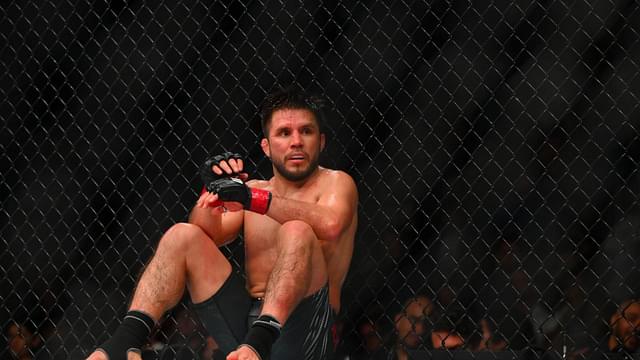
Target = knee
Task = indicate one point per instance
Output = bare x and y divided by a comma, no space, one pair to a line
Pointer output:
296,232
181,236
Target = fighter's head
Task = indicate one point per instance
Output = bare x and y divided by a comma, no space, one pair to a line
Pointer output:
293,139
293,99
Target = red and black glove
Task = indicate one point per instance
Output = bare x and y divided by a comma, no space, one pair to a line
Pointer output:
233,189
206,170
229,187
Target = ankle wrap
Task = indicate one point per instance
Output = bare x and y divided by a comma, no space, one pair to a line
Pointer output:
262,334
129,336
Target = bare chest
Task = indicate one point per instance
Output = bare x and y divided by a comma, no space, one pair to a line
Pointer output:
259,232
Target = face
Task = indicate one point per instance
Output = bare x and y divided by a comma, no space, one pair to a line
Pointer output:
294,143
18,339
370,336
442,339
627,326
410,325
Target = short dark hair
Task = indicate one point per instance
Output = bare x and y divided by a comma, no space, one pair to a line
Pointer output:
290,98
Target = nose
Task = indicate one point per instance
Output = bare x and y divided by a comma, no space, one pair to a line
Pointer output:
296,139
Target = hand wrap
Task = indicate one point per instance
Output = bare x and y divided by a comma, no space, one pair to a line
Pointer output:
232,189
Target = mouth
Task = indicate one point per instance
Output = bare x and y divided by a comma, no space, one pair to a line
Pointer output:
296,157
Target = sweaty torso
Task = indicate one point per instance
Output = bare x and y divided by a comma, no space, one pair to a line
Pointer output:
260,242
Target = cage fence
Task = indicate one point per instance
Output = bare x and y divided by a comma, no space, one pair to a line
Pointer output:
494,144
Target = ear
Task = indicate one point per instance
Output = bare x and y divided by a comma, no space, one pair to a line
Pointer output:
322,141
264,144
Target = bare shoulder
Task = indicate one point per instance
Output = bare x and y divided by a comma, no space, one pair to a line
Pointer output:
339,180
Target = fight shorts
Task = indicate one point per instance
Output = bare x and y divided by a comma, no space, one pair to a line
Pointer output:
229,313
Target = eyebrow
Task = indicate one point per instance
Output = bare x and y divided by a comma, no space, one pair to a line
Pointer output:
310,125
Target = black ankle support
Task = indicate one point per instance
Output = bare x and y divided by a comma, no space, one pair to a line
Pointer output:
129,336
262,334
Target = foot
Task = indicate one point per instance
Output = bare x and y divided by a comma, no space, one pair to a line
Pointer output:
99,355
243,353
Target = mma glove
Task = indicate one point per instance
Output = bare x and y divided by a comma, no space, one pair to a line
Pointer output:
230,188
206,170
233,189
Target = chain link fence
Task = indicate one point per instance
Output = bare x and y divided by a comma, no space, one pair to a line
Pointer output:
495,146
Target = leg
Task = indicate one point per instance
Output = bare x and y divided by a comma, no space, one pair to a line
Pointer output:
307,333
224,314
185,256
299,270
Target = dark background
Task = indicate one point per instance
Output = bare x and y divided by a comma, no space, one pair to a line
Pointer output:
495,146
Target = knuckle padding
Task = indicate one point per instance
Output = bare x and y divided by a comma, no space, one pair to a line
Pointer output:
229,189
206,170
225,156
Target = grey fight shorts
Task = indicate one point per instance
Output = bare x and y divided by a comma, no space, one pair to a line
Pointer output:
229,313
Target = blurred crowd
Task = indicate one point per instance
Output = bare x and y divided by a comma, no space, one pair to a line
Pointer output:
179,336
423,325
420,325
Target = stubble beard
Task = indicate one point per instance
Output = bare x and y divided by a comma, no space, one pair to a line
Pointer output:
297,175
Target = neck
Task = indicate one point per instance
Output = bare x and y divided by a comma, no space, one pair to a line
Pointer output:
282,185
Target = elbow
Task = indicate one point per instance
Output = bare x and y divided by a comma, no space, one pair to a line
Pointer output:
333,230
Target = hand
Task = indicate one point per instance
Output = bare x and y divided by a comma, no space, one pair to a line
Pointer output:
243,353
235,191
213,202
224,180
221,166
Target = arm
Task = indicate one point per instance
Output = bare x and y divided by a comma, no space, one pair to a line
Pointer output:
330,217
209,213
222,227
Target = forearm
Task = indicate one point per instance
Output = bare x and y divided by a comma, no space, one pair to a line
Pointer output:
324,222
208,222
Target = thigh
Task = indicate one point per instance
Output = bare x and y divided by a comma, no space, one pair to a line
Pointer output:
207,267
224,314
307,333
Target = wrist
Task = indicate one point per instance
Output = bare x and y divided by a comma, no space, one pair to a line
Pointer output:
259,201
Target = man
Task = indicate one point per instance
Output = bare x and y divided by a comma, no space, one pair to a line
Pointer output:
455,330
22,341
411,325
372,344
298,227
625,328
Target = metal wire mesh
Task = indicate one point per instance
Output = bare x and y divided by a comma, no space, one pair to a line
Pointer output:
495,146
